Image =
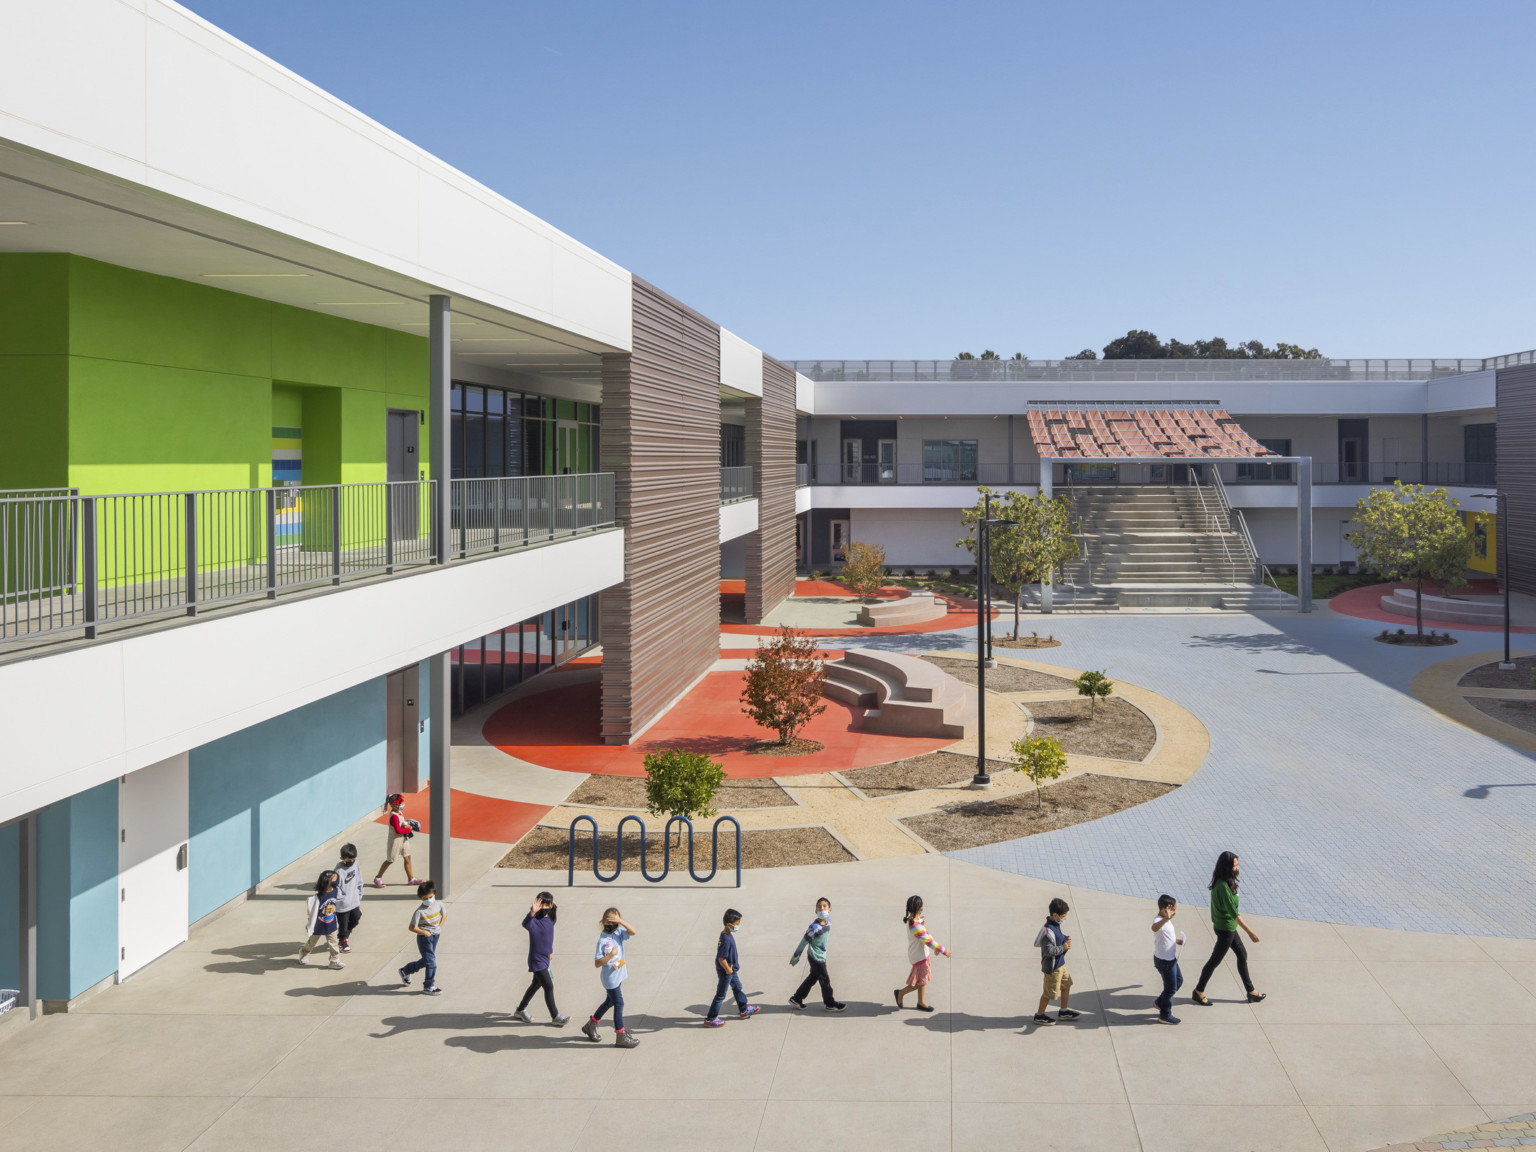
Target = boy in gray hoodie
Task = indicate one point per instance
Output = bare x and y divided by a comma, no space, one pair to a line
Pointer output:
349,895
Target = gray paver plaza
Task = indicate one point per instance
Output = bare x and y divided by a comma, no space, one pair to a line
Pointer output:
1343,795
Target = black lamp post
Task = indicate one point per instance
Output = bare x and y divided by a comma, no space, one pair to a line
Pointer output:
983,779
1501,509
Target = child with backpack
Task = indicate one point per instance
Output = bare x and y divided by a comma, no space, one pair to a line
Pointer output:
320,920
1054,944
920,949
397,846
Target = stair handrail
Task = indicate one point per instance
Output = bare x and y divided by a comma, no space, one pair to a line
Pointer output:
1210,519
1248,546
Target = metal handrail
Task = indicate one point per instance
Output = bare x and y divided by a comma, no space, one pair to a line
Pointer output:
735,483
1221,536
666,850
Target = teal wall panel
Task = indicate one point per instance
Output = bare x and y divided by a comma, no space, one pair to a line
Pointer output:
77,892
10,905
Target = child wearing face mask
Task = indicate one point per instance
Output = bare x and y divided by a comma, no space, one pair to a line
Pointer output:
728,972
815,941
613,972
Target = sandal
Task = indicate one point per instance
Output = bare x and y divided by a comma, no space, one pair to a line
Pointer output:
1201,998
1255,997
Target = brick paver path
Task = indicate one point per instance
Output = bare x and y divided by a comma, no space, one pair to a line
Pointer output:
1516,1132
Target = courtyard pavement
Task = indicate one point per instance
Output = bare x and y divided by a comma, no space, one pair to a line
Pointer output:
227,1044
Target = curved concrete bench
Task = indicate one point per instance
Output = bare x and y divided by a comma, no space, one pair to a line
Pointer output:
915,608
905,696
1400,603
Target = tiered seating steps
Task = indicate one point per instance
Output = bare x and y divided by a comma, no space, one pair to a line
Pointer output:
905,696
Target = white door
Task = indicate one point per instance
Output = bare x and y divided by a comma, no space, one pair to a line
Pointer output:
151,863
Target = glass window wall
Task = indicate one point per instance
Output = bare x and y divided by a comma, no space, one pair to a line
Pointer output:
492,664
500,433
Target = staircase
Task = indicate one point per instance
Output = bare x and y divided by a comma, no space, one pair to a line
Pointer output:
1163,546
905,696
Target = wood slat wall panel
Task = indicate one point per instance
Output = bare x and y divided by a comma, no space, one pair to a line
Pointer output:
1515,450
771,452
661,438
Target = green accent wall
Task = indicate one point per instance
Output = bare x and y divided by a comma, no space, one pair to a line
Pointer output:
115,380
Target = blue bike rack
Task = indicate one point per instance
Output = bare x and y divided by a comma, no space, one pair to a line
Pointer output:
666,850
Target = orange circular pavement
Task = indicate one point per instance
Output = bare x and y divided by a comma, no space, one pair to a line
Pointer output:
560,729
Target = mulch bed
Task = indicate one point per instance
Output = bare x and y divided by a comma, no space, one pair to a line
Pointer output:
549,848
1414,640
1519,714
1073,801
629,792
799,746
1027,642
1117,729
1489,676
1003,678
915,773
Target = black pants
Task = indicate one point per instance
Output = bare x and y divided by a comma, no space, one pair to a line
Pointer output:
818,975
536,981
345,922
1225,942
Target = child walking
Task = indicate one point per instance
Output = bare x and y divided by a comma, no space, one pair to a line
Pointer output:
815,941
613,971
320,920
427,924
728,972
1165,956
397,847
349,896
1054,944
540,923
920,949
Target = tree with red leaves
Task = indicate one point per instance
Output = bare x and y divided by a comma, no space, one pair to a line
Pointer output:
783,688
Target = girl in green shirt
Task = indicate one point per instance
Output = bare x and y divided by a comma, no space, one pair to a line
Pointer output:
1226,921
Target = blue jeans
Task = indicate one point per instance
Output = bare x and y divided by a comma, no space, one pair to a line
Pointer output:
1173,980
727,981
615,1001
427,946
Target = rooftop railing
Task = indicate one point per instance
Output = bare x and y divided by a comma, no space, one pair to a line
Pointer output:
1132,371
1109,471
71,562
735,483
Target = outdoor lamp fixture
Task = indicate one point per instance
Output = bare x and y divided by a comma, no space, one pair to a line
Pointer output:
1501,507
984,637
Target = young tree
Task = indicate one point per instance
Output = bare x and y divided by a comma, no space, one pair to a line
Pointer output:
1407,532
1096,686
783,687
679,783
1041,759
863,568
1027,554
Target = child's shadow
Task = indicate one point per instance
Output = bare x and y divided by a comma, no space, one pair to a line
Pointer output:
513,1042
258,959
447,1021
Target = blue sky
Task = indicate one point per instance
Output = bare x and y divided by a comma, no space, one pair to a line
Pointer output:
909,179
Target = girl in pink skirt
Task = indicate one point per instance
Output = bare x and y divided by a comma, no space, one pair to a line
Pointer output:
920,949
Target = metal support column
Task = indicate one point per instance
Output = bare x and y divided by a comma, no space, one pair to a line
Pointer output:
27,984
1304,532
440,693
439,422
1045,491
1010,451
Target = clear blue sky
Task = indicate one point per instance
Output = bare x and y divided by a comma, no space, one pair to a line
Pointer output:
904,179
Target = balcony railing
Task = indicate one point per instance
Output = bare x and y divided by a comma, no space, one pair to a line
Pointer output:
88,562
993,475
735,483
802,475
1232,472
1128,371
1452,473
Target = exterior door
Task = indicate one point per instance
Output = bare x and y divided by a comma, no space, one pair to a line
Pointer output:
404,431
853,460
402,727
887,462
839,541
151,863
567,447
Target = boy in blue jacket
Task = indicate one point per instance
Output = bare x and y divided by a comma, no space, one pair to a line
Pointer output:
728,972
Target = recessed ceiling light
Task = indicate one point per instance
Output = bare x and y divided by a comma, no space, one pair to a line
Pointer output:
255,275
427,324
356,303
14,223
495,339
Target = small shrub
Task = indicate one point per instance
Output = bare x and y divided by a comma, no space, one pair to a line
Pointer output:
1096,686
679,783
783,685
864,569
1041,759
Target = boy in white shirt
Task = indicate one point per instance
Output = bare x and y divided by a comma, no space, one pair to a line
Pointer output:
1165,955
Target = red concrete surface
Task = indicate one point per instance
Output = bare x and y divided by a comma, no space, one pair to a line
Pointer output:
1365,603
476,817
560,729
748,653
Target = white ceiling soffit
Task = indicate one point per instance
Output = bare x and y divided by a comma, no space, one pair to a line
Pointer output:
144,136
741,366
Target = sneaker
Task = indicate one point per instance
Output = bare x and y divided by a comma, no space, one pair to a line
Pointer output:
624,1040
378,881
750,1010
432,991
589,1030
560,1021
799,1004
523,1016
836,1006
346,947
405,977
335,964
714,1022
1167,1019
303,960
1068,1014
1042,1019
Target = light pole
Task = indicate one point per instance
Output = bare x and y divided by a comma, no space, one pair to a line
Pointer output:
986,562
983,779
1501,512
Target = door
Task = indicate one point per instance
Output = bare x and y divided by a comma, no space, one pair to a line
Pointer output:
567,449
887,462
402,727
853,460
404,461
839,541
1354,451
151,863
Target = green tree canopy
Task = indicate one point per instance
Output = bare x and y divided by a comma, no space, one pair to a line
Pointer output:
1042,540
1139,344
1408,532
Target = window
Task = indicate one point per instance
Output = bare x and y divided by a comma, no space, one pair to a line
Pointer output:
1252,472
949,461
1478,441
501,433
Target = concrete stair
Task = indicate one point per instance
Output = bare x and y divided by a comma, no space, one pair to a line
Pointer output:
919,607
1472,610
905,696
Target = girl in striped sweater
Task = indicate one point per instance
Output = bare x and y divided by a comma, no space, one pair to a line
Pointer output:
920,949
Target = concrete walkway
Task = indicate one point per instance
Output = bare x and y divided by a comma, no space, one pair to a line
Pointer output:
1369,1037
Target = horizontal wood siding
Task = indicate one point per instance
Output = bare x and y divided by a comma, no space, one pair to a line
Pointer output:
1515,451
661,439
771,452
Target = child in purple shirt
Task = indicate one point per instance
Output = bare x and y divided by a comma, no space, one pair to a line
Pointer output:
540,923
